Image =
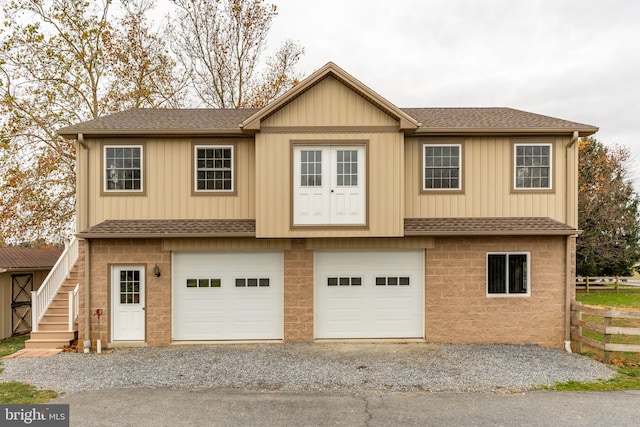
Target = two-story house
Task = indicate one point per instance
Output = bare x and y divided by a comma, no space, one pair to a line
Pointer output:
328,214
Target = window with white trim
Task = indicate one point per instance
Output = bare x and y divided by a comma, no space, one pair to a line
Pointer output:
123,168
508,273
532,166
213,168
442,167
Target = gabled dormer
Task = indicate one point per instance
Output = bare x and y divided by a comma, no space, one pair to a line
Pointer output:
329,160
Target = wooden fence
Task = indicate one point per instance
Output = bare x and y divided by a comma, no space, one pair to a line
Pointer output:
606,328
607,283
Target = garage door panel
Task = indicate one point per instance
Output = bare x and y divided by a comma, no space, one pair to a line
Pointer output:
388,303
228,311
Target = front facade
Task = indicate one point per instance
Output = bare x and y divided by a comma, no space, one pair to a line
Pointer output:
329,214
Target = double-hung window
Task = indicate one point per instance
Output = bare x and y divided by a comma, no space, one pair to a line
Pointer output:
532,166
214,168
442,167
123,168
508,273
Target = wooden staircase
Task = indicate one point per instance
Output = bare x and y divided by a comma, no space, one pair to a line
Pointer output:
53,329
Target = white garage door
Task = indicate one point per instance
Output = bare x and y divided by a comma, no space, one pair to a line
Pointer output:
227,295
369,294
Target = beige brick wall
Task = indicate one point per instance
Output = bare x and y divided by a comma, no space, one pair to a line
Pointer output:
148,252
456,306
457,309
298,293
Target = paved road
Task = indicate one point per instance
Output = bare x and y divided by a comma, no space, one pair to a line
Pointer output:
211,407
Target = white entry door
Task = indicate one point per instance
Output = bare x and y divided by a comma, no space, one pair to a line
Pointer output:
329,185
127,307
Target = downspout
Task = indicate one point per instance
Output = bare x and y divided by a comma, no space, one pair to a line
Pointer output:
83,178
569,268
82,141
87,294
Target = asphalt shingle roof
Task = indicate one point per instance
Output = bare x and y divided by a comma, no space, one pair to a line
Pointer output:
159,120
142,121
488,118
488,225
172,228
247,227
12,258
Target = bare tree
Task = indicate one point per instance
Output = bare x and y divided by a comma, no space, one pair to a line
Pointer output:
220,44
62,62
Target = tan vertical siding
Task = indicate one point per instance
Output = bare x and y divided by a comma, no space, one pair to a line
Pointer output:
329,103
487,175
384,184
168,185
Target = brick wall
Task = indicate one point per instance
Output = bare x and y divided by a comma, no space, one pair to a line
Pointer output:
456,306
147,252
298,293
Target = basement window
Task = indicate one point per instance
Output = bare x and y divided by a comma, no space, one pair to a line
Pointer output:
508,274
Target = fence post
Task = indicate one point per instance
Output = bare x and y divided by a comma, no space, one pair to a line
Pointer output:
608,321
577,314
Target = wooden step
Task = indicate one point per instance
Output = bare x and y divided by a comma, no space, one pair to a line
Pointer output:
58,310
50,339
54,322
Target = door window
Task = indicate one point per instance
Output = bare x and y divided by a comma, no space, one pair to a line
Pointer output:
329,185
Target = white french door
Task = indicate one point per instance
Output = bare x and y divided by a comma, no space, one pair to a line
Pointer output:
329,185
127,303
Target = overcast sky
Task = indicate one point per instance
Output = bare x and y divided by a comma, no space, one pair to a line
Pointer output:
574,59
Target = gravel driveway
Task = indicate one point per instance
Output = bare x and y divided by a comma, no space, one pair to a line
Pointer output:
341,367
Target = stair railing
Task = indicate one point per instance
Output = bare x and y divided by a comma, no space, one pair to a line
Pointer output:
73,307
41,299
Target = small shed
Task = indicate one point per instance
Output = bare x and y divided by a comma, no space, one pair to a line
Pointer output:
22,270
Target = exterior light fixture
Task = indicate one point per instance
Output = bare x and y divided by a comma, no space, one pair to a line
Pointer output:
156,271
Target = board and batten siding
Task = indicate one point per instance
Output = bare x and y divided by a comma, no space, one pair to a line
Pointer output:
168,184
487,175
329,103
384,192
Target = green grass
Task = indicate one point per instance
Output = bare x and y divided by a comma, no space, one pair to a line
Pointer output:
627,364
628,378
15,392
611,299
11,345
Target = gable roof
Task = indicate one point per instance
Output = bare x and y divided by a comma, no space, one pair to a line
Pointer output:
246,121
21,258
405,121
434,121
